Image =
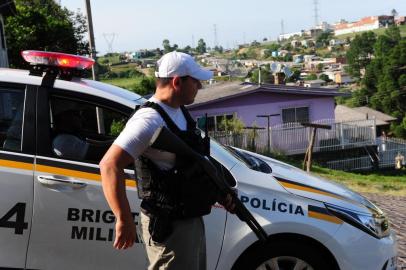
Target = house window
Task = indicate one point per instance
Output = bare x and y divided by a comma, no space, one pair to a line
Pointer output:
213,122
299,114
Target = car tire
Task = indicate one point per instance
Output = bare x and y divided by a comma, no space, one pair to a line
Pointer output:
286,255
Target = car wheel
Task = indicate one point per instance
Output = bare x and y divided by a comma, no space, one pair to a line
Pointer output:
286,255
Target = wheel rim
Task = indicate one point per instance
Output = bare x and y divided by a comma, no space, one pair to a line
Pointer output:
285,263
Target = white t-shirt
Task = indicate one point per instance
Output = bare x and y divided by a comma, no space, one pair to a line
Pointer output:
135,137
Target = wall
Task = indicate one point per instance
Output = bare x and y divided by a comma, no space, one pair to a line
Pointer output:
249,106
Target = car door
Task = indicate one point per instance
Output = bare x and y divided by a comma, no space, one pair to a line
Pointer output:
17,125
72,225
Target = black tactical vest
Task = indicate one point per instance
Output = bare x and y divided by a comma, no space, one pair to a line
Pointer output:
184,191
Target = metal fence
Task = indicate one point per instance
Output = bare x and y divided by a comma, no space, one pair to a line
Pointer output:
351,164
388,150
293,138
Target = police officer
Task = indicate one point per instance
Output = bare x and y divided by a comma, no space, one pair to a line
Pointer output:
175,191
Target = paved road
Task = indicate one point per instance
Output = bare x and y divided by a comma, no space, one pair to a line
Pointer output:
395,208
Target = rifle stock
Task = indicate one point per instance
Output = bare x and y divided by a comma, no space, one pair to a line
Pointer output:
164,139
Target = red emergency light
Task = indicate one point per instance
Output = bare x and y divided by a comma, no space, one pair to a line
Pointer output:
57,59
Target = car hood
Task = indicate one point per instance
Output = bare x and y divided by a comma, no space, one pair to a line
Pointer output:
310,186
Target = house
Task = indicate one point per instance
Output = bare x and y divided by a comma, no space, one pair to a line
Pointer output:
346,114
365,24
296,43
308,43
6,8
290,35
337,42
247,100
343,78
400,21
314,83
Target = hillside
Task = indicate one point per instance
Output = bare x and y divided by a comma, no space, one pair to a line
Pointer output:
380,31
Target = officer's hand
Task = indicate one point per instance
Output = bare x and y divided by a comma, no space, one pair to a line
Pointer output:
228,203
125,234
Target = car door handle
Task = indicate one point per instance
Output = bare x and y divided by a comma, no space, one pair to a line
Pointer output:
53,181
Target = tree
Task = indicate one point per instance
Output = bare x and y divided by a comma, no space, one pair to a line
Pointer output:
360,53
265,75
201,46
325,77
255,43
323,40
219,49
44,25
167,46
394,13
312,76
384,83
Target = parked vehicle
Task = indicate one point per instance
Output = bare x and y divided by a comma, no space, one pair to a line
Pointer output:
53,214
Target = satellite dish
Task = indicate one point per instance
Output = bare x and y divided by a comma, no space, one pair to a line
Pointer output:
287,71
274,66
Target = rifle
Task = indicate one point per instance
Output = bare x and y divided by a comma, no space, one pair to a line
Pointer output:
165,140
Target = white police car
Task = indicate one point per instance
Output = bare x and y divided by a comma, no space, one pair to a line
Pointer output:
53,214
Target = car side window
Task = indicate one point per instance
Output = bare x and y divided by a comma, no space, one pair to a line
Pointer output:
81,130
11,118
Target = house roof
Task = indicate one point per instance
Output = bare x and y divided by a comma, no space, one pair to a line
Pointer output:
223,91
344,113
378,115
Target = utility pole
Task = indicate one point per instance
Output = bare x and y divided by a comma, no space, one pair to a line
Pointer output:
215,35
99,111
267,116
92,46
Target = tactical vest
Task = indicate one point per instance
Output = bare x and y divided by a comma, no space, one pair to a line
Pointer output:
184,191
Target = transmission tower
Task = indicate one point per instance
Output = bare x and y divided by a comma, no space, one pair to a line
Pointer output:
193,42
316,12
215,35
282,27
109,37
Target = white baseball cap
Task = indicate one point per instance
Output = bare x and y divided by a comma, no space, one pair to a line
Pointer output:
181,64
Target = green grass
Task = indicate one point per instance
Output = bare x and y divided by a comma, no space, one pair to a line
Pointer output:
383,182
122,82
389,182
379,31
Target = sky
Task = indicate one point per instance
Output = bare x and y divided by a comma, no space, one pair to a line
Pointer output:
136,24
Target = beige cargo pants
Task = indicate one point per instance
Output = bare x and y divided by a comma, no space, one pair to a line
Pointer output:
184,249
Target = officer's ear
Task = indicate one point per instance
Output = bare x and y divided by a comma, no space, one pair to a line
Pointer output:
176,82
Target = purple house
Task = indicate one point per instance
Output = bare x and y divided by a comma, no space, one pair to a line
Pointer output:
246,101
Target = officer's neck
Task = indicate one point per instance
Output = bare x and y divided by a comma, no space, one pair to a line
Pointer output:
167,96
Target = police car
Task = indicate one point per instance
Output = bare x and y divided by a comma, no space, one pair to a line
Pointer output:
53,214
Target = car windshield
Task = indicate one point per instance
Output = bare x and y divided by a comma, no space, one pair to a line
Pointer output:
250,161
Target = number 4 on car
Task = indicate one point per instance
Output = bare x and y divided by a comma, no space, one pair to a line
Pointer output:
55,127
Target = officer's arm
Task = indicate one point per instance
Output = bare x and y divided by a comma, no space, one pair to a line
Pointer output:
112,172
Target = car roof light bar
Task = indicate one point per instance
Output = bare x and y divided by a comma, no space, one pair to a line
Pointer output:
56,59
